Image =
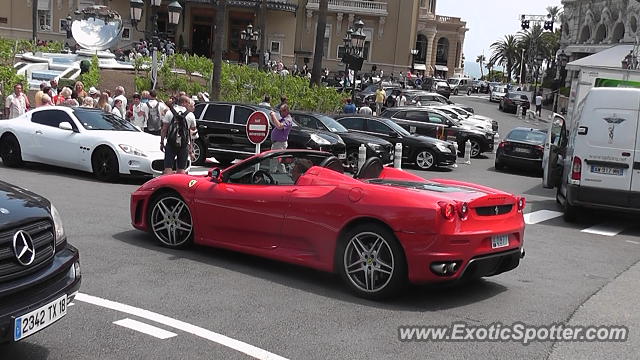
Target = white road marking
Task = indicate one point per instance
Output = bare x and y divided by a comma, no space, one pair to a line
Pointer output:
612,229
633,242
145,328
238,345
540,216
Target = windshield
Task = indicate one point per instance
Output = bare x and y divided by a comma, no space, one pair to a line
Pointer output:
461,112
99,120
397,128
454,81
371,88
528,136
331,124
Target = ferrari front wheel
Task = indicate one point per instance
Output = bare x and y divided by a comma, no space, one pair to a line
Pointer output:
170,221
371,261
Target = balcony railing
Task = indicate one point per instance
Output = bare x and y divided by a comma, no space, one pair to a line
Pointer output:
360,7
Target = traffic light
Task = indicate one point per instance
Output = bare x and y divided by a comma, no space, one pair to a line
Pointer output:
524,24
548,25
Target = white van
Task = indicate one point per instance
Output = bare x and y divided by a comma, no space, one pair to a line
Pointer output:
597,163
459,85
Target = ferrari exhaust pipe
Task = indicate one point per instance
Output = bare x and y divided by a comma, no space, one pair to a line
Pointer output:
445,268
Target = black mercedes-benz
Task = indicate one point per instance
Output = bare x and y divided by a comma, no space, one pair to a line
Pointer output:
375,146
39,270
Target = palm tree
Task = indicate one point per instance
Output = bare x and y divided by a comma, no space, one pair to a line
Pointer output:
554,12
506,52
490,65
217,48
480,60
316,72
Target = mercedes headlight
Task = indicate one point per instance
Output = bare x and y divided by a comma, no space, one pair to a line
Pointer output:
375,147
57,225
443,148
319,140
132,150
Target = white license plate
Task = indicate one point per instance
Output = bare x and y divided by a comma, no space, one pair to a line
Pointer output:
606,170
342,156
36,320
522,150
499,241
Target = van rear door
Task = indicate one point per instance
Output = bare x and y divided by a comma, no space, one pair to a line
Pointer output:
606,138
635,177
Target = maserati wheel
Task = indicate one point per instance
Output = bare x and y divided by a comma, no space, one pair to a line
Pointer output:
199,152
10,151
170,221
371,262
475,148
105,164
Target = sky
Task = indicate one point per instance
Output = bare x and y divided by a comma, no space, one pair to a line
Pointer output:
490,20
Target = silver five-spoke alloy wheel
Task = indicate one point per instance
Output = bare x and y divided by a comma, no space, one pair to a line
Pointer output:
171,221
368,262
425,159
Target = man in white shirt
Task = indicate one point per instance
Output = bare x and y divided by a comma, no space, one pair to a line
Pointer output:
365,109
402,100
157,111
16,104
539,104
119,94
140,112
181,154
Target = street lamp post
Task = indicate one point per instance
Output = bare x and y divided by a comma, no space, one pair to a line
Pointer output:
136,6
357,43
538,64
249,37
414,52
347,51
563,60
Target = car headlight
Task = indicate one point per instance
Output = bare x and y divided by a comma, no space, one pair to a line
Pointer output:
319,140
375,147
57,225
443,148
132,150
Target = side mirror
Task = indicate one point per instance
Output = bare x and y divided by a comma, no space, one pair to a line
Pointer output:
65,125
215,174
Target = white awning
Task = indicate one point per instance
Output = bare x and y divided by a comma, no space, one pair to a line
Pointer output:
420,67
611,58
442,68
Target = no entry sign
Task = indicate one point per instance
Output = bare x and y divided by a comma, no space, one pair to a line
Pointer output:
257,127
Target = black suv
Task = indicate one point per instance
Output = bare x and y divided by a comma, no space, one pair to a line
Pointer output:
510,102
425,152
39,270
222,130
375,146
424,121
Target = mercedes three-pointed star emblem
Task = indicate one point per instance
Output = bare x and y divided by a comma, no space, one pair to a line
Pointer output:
23,247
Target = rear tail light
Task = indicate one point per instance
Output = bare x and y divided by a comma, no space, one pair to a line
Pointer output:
447,210
540,147
463,210
576,169
502,144
522,202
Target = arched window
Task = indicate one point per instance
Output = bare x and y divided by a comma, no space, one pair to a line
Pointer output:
618,33
585,34
601,33
442,53
421,45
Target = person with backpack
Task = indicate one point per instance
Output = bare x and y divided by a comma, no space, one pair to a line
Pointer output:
177,128
156,110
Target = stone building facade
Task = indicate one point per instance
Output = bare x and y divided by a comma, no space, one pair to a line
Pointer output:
393,29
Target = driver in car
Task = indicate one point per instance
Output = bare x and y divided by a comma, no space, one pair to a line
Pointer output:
299,168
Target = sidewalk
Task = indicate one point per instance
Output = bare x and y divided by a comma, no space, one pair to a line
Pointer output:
614,304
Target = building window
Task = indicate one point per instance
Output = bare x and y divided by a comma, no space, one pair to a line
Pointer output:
432,6
126,33
327,42
44,15
442,53
421,45
62,24
340,51
275,47
423,3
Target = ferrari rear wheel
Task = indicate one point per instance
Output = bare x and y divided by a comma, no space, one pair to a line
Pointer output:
170,221
10,151
371,261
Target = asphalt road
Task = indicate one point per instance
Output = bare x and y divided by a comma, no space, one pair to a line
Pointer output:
208,295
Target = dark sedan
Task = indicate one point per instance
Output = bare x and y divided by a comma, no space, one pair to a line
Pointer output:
375,146
521,148
510,102
221,127
425,152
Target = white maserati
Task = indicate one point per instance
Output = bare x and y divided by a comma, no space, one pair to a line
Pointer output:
80,138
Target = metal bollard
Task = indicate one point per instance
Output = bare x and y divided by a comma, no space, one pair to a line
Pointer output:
467,152
496,142
455,145
397,156
362,156
518,111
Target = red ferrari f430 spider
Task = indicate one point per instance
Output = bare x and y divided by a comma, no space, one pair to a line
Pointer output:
378,230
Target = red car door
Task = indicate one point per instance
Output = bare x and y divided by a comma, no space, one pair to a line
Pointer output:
241,215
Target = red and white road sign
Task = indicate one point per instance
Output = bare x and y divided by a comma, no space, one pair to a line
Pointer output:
257,127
